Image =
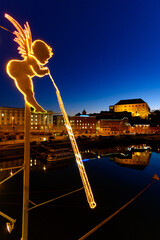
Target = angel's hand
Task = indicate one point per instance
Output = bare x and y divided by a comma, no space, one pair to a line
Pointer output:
40,71
46,69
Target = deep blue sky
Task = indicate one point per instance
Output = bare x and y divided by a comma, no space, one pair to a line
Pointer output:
104,51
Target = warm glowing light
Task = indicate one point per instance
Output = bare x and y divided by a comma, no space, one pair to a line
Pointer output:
77,154
34,55
44,168
11,173
10,226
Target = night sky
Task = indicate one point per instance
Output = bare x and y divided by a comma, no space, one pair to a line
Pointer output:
104,51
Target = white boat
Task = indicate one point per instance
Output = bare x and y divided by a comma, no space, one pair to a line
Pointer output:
60,154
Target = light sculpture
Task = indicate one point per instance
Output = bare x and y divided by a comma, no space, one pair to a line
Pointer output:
35,55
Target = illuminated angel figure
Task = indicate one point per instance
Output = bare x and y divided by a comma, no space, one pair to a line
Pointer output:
34,55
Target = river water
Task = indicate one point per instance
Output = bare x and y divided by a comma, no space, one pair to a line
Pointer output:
116,176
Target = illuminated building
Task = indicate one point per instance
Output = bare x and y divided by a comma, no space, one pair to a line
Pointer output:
107,127
140,129
13,119
137,107
81,124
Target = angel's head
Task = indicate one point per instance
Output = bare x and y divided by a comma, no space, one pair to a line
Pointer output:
41,51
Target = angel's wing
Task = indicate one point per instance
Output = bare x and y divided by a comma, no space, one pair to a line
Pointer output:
23,37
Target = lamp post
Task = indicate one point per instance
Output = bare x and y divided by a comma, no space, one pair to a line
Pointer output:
12,122
13,129
46,124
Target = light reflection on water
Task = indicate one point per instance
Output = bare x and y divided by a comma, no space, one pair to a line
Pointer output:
115,177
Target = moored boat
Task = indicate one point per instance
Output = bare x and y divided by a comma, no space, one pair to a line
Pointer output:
60,154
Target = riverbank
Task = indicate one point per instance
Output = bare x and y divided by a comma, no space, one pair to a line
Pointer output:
15,150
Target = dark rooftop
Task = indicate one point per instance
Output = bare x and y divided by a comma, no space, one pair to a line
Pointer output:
130,101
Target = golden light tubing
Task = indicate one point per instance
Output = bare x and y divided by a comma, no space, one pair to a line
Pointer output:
78,157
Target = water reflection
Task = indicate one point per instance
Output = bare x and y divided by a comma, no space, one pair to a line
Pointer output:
135,159
119,184
135,156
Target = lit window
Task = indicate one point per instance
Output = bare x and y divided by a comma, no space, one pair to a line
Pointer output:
35,127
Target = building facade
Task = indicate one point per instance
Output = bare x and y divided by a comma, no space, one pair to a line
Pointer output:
107,127
81,124
12,119
137,107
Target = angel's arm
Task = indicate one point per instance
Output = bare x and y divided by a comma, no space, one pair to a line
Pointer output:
39,71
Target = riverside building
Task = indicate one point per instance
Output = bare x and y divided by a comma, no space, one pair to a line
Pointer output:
108,127
12,119
81,124
137,107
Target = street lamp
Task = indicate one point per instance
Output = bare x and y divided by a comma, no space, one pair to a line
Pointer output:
10,224
46,123
12,128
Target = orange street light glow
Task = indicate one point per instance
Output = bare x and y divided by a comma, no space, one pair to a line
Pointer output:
34,55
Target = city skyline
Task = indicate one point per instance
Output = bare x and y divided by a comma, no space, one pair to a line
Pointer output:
103,52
